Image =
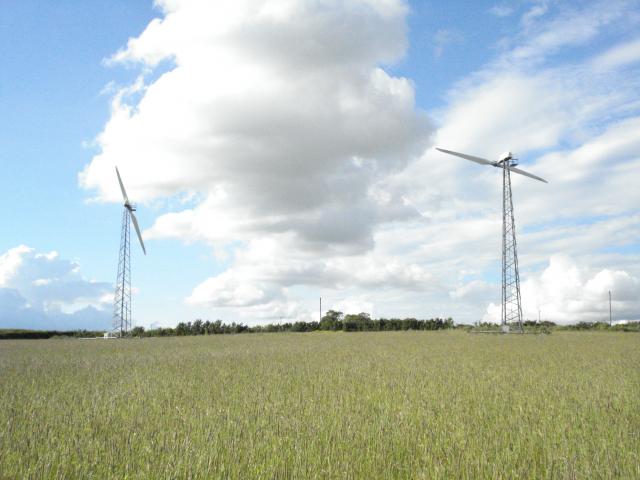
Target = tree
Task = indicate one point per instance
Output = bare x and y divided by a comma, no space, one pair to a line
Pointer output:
356,323
332,320
137,331
182,329
197,328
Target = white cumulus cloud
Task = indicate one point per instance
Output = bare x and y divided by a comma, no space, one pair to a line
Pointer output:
566,292
44,291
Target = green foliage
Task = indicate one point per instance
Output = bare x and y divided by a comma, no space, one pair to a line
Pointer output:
332,320
434,405
545,326
17,334
137,331
601,326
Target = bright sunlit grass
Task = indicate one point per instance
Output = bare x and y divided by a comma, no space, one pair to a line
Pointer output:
323,405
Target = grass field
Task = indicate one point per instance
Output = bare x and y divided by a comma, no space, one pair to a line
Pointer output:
323,405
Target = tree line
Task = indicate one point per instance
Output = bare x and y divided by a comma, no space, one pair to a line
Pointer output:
17,334
331,321
548,326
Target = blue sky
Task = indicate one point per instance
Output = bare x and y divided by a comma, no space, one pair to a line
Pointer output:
379,222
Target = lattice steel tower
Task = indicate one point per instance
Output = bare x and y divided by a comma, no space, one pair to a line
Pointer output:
122,300
511,302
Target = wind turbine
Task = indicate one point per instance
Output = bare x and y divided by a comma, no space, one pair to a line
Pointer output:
122,300
511,303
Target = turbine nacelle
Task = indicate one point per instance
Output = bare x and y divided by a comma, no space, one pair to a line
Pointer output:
509,158
506,156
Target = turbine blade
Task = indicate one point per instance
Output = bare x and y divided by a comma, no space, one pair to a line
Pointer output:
481,161
124,193
135,225
527,174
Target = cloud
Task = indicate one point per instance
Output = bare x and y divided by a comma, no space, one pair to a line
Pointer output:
566,292
472,291
277,113
444,38
548,29
537,10
308,167
501,10
41,290
619,56
354,306
265,269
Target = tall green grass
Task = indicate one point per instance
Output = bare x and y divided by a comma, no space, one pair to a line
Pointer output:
323,405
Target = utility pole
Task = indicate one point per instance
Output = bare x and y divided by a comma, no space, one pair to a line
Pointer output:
610,322
320,310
